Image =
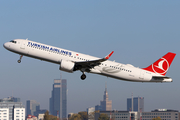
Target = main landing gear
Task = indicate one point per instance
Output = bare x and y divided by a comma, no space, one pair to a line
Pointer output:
19,61
83,76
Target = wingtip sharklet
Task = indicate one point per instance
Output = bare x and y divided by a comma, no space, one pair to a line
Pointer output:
108,56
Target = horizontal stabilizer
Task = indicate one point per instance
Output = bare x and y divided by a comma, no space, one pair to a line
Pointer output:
160,77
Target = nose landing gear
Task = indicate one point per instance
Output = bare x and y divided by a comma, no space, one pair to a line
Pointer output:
19,61
83,76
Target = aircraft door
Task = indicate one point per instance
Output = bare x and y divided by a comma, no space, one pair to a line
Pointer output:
142,74
22,45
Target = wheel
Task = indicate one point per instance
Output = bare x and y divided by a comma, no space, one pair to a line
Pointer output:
83,76
19,61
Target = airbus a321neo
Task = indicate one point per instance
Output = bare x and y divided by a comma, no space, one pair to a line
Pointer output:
71,61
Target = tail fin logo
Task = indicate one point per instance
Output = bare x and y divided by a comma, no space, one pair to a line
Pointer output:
161,66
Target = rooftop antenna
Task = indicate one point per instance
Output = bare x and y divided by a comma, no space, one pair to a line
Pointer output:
106,86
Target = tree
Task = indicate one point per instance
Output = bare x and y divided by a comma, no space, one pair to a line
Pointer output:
49,117
75,117
46,116
103,117
97,111
84,115
52,117
158,118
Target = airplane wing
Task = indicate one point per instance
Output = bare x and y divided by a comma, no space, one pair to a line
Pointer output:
93,63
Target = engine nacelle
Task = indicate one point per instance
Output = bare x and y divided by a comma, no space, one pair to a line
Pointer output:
67,66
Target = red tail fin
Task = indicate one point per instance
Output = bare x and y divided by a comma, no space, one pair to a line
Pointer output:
162,65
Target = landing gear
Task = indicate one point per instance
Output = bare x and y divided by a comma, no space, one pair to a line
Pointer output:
83,76
19,61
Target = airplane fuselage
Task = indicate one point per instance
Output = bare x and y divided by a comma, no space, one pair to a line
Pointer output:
69,58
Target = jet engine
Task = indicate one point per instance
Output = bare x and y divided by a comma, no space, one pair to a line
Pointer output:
67,66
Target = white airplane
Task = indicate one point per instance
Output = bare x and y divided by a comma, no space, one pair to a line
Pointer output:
71,61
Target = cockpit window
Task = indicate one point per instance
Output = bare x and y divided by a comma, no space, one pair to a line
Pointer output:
13,41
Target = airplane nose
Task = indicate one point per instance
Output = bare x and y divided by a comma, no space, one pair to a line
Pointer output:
5,45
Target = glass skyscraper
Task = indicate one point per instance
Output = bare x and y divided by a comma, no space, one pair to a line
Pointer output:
58,100
138,104
31,107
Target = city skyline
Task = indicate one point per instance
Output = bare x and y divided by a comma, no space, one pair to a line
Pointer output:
138,32
138,104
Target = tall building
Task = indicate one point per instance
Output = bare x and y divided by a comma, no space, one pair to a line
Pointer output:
19,113
10,110
58,100
98,107
16,99
4,114
164,114
106,104
31,107
138,104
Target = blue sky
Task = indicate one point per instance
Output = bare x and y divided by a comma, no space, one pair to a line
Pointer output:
140,32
